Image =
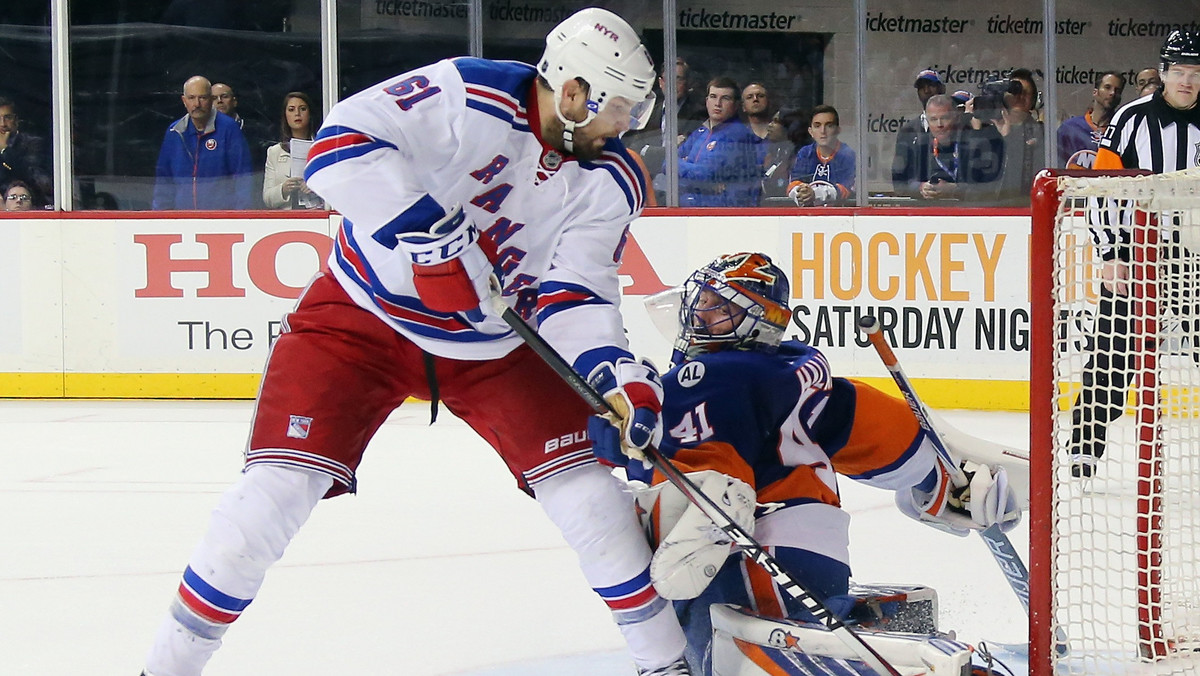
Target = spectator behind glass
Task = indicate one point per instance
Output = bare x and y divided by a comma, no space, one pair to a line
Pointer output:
1023,137
22,155
1079,136
688,105
18,197
951,161
1147,82
824,171
258,137
283,180
786,134
204,162
719,162
756,106
915,131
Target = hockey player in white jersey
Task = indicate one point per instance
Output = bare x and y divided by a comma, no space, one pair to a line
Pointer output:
764,427
447,176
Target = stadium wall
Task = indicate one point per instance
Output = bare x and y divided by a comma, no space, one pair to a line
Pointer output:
138,305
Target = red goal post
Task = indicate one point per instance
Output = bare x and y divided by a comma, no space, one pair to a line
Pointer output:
1115,549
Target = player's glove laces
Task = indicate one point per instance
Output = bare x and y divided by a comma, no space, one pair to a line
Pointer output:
635,393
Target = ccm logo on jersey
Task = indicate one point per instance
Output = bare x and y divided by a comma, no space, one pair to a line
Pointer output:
690,374
566,441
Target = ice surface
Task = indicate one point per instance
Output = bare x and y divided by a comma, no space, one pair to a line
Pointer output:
439,566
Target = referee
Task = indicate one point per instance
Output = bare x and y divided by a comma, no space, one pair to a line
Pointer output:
1159,132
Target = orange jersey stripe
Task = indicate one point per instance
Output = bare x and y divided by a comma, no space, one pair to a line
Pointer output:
762,588
884,428
716,455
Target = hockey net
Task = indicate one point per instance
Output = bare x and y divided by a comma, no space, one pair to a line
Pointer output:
1115,513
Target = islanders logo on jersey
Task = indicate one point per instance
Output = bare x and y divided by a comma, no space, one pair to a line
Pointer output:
211,144
1082,159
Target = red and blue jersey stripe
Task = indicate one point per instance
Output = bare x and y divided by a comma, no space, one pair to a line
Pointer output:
337,143
498,88
408,312
629,178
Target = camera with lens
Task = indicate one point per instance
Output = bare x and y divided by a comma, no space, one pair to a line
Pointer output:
990,100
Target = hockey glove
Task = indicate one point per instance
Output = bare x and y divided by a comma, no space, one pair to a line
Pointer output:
987,499
450,270
689,548
634,392
823,192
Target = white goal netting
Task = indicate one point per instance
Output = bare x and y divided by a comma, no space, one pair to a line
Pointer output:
1125,575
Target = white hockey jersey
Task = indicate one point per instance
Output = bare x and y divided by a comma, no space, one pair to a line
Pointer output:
394,158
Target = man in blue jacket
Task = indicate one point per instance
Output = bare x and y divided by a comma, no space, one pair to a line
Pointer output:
718,162
204,162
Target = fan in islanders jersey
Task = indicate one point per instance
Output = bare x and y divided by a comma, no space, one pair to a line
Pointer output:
764,428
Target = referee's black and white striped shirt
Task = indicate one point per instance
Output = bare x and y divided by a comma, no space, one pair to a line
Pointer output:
1149,134
1144,134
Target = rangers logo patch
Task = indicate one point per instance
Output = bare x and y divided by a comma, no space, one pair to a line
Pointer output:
211,144
299,426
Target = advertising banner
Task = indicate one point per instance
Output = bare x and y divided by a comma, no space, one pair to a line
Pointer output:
190,306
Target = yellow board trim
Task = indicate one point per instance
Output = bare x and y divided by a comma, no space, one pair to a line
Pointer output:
978,395
130,385
990,395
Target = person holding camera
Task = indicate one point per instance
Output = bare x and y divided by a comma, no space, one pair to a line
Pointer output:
952,160
1008,106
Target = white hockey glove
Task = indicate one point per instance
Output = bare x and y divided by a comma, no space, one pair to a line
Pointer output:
693,548
450,271
987,499
823,192
634,391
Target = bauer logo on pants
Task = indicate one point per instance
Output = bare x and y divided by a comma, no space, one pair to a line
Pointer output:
298,427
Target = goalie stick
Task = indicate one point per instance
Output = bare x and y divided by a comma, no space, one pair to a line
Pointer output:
749,545
1006,555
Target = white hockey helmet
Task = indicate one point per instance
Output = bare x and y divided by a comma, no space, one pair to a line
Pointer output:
603,50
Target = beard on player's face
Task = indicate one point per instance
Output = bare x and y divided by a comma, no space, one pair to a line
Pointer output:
588,140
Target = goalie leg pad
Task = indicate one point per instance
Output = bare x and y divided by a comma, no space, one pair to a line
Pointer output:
693,549
742,639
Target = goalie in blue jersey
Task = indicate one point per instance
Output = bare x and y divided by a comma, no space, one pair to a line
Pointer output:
762,426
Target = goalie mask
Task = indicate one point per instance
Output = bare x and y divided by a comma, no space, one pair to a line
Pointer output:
600,48
737,302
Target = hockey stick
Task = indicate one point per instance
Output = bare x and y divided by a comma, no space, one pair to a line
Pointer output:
749,545
1006,555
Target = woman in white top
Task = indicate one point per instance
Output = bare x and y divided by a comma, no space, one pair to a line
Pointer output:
283,180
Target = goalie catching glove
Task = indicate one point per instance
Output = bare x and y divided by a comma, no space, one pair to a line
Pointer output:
634,391
986,500
450,270
689,548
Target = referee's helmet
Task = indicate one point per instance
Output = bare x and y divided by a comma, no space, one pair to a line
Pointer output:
1181,46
